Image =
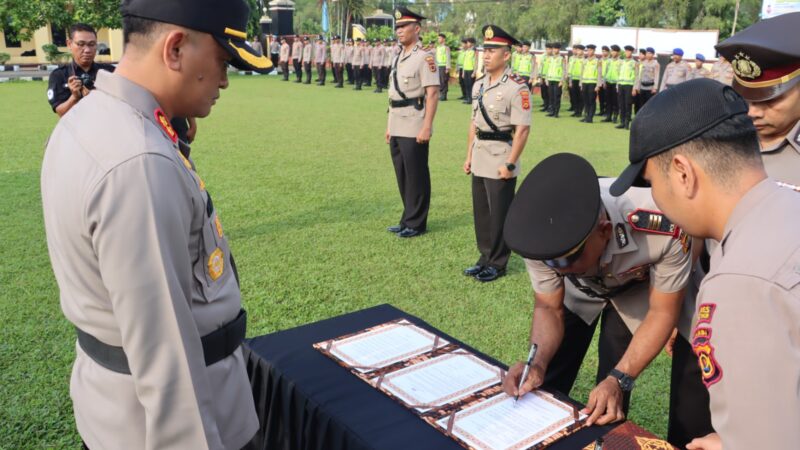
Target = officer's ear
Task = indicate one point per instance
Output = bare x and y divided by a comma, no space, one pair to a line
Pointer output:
174,48
684,174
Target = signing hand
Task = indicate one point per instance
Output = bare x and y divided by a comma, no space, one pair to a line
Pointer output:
511,381
605,403
707,442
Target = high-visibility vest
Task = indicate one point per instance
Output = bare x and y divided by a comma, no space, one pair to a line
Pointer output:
441,55
627,72
525,65
576,67
555,70
545,66
515,62
460,59
590,68
469,59
611,70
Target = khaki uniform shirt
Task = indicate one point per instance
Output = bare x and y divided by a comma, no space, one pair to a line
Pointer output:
337,53
722,72
285,52
782,161
675,73
142,263
307,53
414,71
508,104
388,55
631,256
320,52
649,72
358,56
297,50
378,55
367,56
747,336
696,73
348,54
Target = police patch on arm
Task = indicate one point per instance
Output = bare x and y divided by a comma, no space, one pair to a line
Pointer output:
431,63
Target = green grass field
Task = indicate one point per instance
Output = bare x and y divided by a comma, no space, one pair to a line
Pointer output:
305,188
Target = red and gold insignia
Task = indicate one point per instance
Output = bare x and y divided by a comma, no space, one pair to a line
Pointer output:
710,369
216,264
745,67
218,225
431,63
705,312
686,241
526,100
162,120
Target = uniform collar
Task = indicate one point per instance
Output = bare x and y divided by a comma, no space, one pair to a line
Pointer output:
792,140
503,78
754,197
622,240
413,50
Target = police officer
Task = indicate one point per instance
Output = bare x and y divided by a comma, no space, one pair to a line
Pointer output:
378,56
470,63
610,78
542,76
722,71
443,63
499,127
646,84
390,50
601,93
297,58
337,61
307,58
556,76
574,73
143,265
699,71
413,98
358,61
366,67
628,70
526,65
274,50
676,72
707,174
591,80
765,66
589,255
70,83
285,54
320,58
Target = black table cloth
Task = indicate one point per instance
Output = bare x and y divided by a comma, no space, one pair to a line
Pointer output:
307,401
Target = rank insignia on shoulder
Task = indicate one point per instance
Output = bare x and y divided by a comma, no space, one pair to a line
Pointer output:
517,79
162,120
621,235
652,222
787,185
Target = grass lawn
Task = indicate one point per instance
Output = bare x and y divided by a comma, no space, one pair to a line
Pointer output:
305,188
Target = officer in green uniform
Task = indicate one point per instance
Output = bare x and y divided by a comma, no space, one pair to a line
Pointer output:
515,59
574,74
542,78
556,75
601,93
443,63
470,63
610,79
460,67
628,70
591,79
526,64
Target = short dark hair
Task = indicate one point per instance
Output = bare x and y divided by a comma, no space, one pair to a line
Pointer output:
722,152
133,26
79,26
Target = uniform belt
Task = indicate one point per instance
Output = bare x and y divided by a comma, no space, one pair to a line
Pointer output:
415,102
217,345
609,294
648,83
494,136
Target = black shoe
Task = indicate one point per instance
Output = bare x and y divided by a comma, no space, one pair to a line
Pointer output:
490,274
307,82
338,86
551,114
628,125
395,229
409,232
474,270
356,88
570,110
614,119
588,121
607,119
575,114
467,102
583,119
620,126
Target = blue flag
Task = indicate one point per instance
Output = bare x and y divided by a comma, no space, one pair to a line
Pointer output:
325,16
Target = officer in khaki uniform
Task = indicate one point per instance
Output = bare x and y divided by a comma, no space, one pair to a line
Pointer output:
297,58
676,72
138,250
358,61
390,51
747,326
337,61
722,71
320,58
283,58
590,255
378,55
500,123
699,70
348,60
646,85
413,98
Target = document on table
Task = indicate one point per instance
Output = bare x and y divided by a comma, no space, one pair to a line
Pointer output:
441,380
499,423
385,345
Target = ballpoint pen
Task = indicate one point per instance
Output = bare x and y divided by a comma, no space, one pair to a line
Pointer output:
531,355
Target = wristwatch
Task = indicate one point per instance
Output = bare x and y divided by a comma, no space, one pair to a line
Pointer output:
510,166
626,382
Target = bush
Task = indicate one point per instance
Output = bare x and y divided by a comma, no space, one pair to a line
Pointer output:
430,38
382,32
4,57
53,54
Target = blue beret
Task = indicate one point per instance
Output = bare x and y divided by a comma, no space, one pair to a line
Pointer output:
700,57
651,50
677,51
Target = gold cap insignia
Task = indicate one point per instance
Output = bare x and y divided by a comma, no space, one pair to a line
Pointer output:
489,33
744,67
398,14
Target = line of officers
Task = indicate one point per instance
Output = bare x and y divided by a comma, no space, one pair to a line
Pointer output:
361,61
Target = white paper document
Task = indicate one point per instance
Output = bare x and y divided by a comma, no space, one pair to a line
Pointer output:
497,423
441,380
385,345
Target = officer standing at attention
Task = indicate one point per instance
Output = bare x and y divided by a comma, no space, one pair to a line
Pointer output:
297,58
542,77
285,54
413,98
706,172
307,58
628,69
320,57
358,61
366,68
337,61
766,69
610,79
574,72
143,266
589,255
69,84
591,80
556,76
498,132
601,93
274,50
378,55
676,72
722,71
470,64
646,84
390,50
348,60
443,63
526,64
698,71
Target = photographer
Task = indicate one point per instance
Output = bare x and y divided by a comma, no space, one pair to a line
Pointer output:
71,82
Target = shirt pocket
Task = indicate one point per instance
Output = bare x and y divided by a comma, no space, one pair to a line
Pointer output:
213,268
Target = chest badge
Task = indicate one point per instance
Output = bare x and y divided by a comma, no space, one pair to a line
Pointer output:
162,120
622,235
216,264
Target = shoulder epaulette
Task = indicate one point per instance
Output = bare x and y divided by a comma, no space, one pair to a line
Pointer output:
652,222
517,79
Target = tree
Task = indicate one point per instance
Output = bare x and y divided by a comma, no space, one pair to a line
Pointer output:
23,17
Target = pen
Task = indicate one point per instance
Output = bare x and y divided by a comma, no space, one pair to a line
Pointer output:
598,444
531,355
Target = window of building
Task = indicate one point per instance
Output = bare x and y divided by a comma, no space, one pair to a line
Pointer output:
59,35
11,40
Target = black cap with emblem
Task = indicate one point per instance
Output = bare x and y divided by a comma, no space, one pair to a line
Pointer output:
225,20
673,117
495,37
404,16
554,211
765,58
